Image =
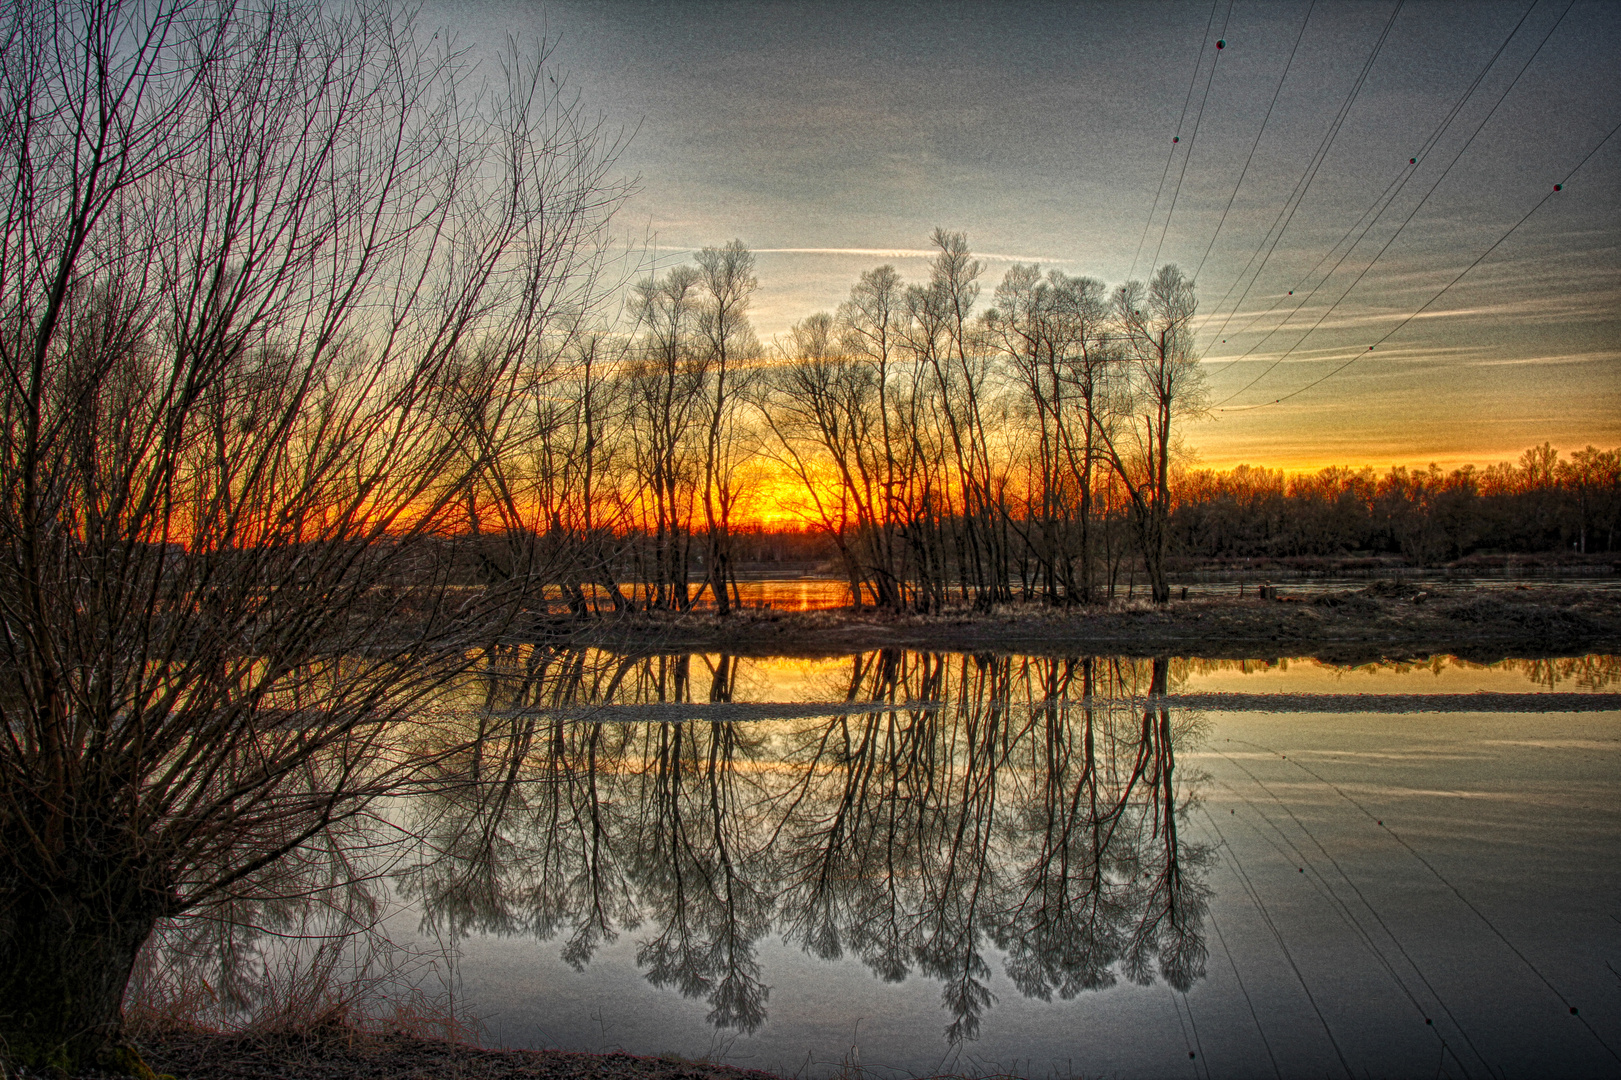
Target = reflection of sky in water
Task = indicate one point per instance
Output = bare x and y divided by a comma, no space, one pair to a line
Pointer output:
1084,889
603,677
1372,871
824,679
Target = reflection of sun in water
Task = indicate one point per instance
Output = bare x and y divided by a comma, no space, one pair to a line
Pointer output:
789,678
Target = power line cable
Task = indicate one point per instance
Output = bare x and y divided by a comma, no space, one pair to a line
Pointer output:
1286,213
1379,822
1264,120
1406,221
1198,62
1347,915
1556,189
1380,204
1411,214
1277,935
1259,1030
1221,44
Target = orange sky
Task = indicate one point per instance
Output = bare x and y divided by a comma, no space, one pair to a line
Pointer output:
1417,412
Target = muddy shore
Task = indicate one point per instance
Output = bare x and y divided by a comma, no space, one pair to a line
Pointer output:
1381,621
345,1054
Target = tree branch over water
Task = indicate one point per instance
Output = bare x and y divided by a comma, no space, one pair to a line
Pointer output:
243,253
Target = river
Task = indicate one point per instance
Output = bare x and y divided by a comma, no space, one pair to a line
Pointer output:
1030,865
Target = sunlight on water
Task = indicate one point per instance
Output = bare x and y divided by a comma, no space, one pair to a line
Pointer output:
529,677
1433,675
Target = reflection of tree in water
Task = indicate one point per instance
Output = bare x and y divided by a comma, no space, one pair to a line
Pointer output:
1593,671
1024,804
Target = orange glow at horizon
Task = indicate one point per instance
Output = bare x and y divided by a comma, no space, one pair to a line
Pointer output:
777,499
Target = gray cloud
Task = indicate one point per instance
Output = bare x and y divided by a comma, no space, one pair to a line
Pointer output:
833,137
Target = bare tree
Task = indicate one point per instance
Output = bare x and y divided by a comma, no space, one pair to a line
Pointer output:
667,385
1167,383
819,407
726,275
870,321
1055,337
242,253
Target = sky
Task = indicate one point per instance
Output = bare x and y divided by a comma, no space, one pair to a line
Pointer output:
833,138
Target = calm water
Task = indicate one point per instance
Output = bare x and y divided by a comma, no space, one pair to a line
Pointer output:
1020,864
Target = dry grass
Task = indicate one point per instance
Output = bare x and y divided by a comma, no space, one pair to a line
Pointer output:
309,977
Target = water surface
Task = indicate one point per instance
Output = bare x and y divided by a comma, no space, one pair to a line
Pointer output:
1029,865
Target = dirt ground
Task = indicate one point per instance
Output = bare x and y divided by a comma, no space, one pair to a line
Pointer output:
344,1054
1382,620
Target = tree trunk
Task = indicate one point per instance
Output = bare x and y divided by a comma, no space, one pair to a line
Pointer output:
65,956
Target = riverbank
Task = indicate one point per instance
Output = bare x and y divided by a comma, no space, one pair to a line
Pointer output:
1382,620
348,1054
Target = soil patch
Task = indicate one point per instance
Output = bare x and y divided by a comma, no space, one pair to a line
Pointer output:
344,1054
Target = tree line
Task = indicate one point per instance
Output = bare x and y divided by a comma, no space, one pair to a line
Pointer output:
946,451
1541,503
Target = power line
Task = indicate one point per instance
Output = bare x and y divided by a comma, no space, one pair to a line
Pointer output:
1198,62
1380,204
1221,43
1406,221
1556,189
1245,171
1430,866
1307,178
1343,909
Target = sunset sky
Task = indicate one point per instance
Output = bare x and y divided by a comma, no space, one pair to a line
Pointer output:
833,138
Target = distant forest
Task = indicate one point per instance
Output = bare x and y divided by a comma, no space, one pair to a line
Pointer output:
1543,504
